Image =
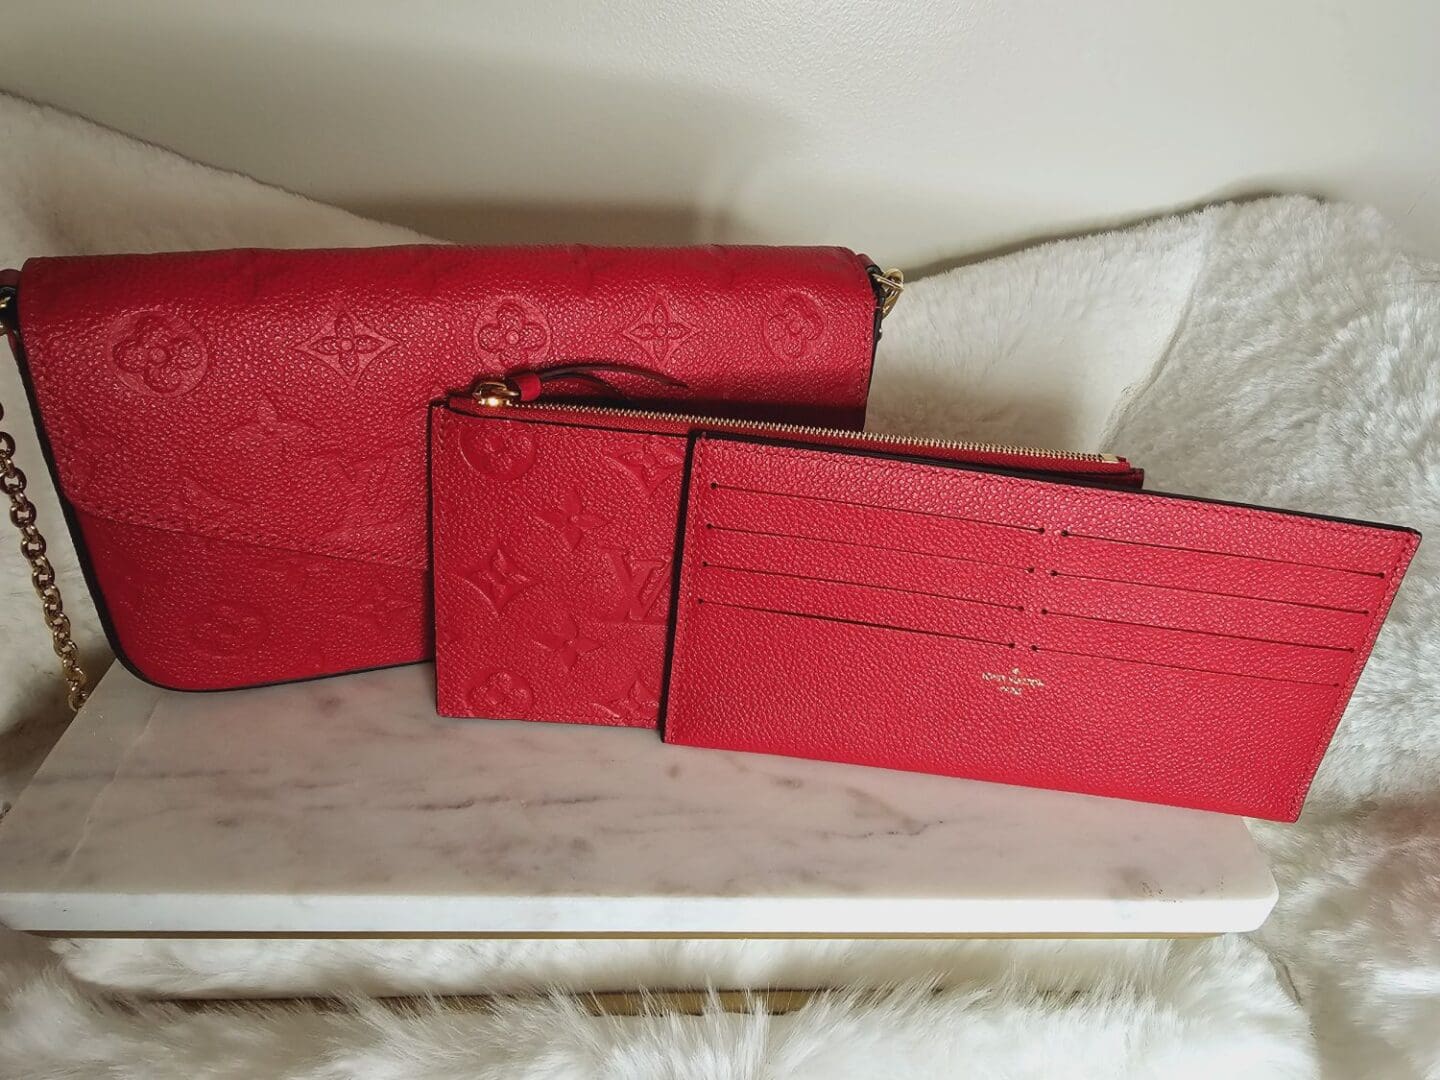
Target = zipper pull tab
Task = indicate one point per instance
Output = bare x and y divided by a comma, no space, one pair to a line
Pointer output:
522,386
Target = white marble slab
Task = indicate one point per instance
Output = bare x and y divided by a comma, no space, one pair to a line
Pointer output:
346,806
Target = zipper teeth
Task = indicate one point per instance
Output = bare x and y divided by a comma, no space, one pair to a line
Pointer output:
805,429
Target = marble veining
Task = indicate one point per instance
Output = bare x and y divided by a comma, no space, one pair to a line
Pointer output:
346,805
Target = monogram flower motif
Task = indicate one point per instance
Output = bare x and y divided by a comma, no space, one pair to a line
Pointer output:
637,706
657,332
158,353
572,520
512,336
570,644
348,345
499,578
793,326
501,695
650,466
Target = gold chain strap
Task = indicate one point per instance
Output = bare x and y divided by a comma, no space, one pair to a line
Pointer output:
42,574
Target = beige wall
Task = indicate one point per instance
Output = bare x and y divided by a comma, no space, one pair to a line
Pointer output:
915,129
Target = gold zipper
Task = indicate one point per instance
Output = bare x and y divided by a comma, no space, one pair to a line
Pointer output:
499,395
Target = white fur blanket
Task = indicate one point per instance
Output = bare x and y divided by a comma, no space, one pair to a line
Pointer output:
1281,352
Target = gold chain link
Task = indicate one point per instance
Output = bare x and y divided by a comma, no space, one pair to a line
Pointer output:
891,283
42,574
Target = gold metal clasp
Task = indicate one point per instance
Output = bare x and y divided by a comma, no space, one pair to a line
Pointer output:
891,284
494,394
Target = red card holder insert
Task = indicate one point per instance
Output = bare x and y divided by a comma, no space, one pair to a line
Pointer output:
554,531
917,615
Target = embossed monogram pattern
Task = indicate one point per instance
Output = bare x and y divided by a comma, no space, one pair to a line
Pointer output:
794,326
269,443
642,587
347,345
638,705
592,518
514,334
658,332
497,453
380,608
501,694
265,398
498,577
656,461
229,629
158,353
572,520
569,644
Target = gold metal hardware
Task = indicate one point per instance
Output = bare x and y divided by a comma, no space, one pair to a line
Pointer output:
494,395
511,399
32,546
891,284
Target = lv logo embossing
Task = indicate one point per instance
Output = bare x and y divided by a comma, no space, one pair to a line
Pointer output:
643,586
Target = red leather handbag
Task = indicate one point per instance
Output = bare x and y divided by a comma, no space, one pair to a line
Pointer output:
238,437
987,612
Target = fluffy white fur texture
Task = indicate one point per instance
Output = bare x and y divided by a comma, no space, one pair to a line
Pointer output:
1282,352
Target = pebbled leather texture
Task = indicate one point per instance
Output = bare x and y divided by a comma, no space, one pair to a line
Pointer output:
554,540
1117,643
239,436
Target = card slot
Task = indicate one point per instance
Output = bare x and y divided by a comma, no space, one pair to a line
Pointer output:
733,507
1202,572
1186,630
852,622
1182,667
858,603
1203,613
859,584
866,544
812,497
1183,649
1187,550
841,562
1210,592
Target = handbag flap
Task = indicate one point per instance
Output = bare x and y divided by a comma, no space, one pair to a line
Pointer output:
280,397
